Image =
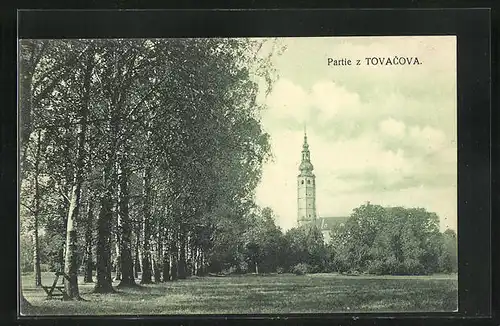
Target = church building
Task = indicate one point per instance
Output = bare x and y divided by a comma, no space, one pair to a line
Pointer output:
306,197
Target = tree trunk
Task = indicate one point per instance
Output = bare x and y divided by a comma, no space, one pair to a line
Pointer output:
146,223
36,257
70,258
157,267
203,264
201,268
197,262
158,261
88,243
60,257
137,260
118,270
36,242
103,276
125,227
166,261
173,259
27,69
109,266
182,254
116,239
104,282
194,260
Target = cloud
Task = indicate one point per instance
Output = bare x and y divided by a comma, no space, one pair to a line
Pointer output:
330,99
361,169
418,141
279,187
359,155
428,138
442,201
393,128
423,94
291,101
383,134
346,166
287,100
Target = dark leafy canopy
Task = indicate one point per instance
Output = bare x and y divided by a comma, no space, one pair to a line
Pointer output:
393,240
169,147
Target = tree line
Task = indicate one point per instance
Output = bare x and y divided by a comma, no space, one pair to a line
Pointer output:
373,240
393,240
137,156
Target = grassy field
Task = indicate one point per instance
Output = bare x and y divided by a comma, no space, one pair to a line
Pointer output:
254,294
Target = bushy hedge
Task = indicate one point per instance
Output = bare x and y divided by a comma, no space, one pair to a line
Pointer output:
301,269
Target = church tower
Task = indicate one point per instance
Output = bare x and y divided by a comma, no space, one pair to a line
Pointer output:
306,188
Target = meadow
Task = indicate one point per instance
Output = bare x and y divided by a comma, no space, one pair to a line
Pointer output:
255,294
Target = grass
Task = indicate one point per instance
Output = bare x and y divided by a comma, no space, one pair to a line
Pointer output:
255,294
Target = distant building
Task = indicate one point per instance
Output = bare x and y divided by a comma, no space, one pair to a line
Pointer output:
325,224
306,197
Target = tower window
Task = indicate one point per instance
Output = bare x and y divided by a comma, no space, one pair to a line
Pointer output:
302,182
308,182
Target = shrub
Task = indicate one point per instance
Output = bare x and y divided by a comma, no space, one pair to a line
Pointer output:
413,267
45,268
26,267
242,267
280,270
26,253
301,269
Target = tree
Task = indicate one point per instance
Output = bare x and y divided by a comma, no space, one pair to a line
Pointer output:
36,209
89,224
70,261
390,240
125,227
448,260
34,69
118,120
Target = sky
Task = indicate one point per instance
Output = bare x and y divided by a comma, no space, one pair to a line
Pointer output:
384,134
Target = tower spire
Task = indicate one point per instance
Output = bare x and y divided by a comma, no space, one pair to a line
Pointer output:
305,145
306,187
306,166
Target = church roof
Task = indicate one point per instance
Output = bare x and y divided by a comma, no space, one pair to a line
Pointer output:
326,223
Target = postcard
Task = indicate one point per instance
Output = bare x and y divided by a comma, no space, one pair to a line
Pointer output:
185,176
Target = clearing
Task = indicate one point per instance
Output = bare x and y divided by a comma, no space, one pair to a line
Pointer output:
255,294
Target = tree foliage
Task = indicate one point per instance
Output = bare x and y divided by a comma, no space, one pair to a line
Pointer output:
393,240
152,147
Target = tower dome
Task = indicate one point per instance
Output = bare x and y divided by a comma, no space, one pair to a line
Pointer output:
306,167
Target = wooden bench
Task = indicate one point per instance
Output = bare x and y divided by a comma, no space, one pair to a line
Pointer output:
60,288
